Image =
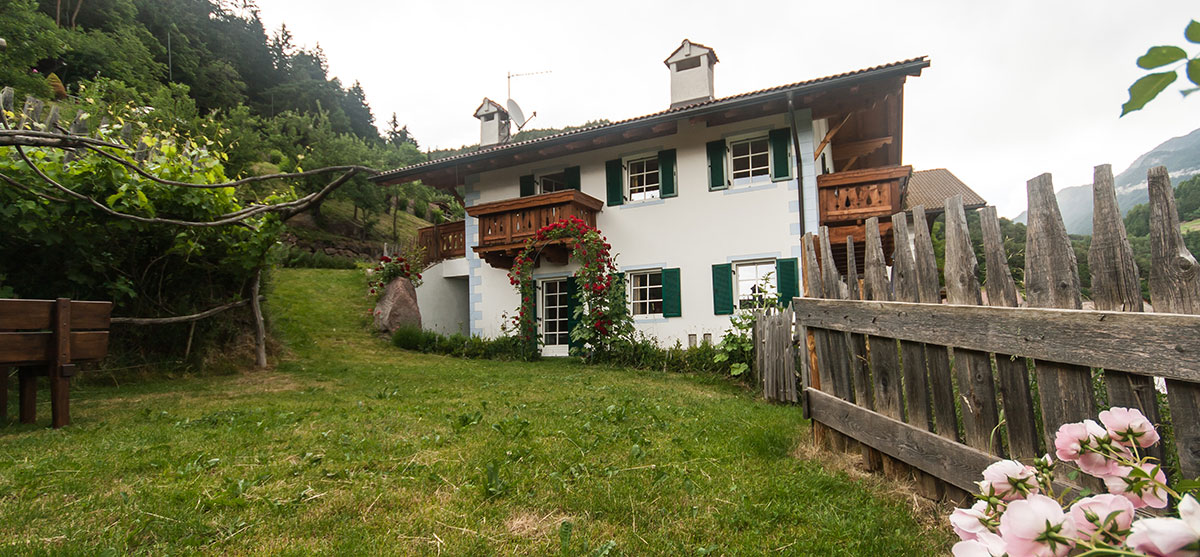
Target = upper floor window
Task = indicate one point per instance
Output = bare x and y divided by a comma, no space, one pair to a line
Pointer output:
643,179
750,158
550,183
755,282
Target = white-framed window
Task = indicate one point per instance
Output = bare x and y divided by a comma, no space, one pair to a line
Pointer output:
554,307
756,281
645,292
549,183
643,178
750,159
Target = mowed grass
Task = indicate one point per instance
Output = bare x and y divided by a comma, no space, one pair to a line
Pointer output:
352,446
1190,226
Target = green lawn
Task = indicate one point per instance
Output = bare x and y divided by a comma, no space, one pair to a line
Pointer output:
1190,226
352,446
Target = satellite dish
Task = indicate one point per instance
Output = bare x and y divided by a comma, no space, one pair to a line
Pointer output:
515,114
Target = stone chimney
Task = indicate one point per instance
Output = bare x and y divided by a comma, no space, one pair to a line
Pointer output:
493,123
691,68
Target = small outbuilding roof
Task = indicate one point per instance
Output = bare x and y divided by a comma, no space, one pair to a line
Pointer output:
931,189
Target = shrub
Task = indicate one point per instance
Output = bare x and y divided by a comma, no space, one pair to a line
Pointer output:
419,210
408,337
292,256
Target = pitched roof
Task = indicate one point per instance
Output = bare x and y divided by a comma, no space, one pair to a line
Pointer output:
931,189
685,43
912,66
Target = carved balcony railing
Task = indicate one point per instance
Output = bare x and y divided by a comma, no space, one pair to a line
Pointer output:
848,199
443,241
504,226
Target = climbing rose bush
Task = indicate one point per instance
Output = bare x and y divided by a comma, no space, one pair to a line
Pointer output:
601,315
1018,514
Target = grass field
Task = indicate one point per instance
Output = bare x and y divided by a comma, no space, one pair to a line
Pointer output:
352,446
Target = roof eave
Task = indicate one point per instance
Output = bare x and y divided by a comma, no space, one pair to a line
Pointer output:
912,67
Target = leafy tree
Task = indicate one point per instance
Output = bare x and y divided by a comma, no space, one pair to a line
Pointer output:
31,37
1149,86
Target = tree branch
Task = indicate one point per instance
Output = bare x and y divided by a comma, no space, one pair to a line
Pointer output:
180,318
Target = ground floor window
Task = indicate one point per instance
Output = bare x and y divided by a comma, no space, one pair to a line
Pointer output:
555,332
646,292
756,282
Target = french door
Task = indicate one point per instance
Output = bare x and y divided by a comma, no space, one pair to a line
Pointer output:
555,331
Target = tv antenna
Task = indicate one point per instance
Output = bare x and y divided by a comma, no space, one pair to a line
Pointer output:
514,110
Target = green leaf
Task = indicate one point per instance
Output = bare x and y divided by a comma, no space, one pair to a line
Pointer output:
1145,89
1193,70
1186,92
1159,56
1192,32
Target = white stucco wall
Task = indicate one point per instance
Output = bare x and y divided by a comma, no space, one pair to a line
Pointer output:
692,232
443,300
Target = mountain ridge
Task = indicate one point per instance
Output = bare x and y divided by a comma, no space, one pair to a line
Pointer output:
1181,156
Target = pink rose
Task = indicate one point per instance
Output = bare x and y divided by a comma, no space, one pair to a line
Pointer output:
1168,537
1105,512
1010,479
986,545
1135,485
1078,442
1037,527
1129,426
969,523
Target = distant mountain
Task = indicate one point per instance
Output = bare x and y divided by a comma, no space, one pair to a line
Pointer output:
1181,156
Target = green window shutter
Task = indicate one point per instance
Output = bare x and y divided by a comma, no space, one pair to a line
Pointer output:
527,187
666,173
722,279
572,176
716,165
534,339
781,164
788,273
572,303
670,293
616,182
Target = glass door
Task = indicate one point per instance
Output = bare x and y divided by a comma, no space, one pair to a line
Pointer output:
555,334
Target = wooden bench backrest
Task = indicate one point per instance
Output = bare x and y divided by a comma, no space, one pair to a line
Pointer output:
27,331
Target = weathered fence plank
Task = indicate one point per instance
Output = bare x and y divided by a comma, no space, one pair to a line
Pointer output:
1012,372
839,347
1175,288
1052,281
904,283
818,376
1116,287
860,365
1103,339
885,364
976,388
937,358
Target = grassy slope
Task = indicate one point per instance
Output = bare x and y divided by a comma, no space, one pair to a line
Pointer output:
352,446
1190,226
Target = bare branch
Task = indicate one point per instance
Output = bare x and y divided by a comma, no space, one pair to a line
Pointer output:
25,137
180,318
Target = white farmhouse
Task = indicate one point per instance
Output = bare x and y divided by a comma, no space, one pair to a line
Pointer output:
699,201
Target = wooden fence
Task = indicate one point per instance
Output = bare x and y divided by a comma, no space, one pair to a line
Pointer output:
941,389
775,355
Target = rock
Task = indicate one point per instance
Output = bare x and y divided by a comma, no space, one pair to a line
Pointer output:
397,307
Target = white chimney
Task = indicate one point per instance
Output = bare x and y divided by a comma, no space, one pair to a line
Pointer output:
691,68
493,123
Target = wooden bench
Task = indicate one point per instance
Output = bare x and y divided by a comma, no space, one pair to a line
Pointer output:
52,335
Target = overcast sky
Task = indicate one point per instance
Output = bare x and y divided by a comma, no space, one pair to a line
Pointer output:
1015,88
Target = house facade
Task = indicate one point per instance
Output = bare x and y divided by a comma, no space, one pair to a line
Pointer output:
704,203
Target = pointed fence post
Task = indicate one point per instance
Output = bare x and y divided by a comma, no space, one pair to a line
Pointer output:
976,389
1012,372
1116,286
937,358
1175,288
1052,281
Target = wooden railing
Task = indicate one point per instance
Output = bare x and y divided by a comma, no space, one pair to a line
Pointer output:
504,226
847,199
443,241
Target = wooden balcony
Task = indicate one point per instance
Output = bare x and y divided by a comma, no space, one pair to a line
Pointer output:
504,226
443,241
848,199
